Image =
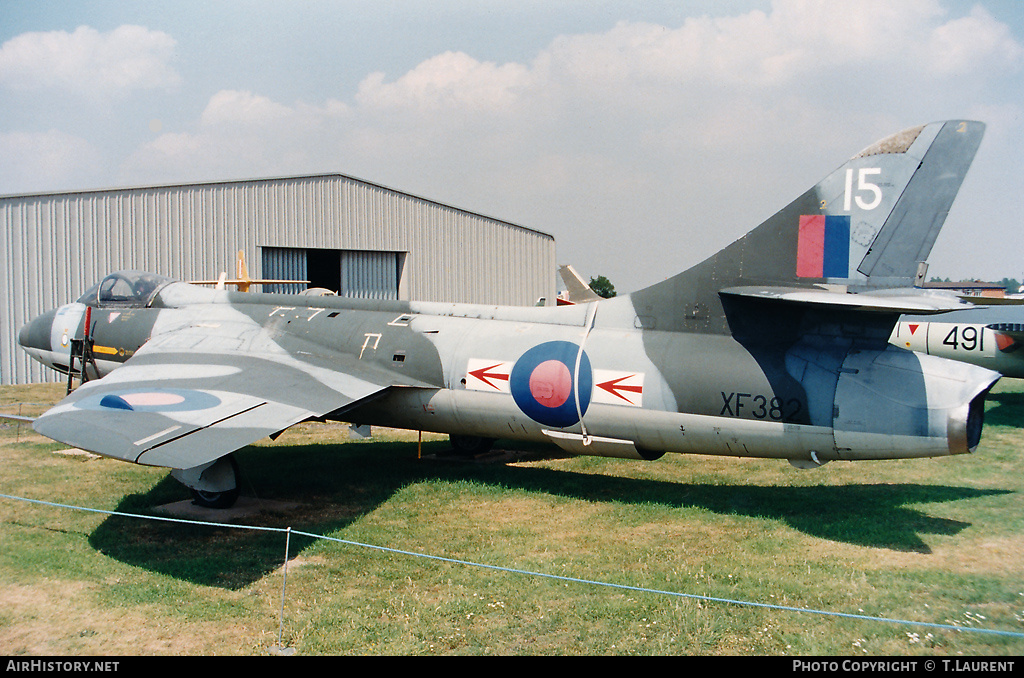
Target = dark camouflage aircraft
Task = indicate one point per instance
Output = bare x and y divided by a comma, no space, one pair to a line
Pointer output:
776,346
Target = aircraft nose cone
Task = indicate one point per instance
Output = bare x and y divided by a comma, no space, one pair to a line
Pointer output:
36,334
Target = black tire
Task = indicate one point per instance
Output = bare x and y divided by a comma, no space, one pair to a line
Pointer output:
215,500
218,500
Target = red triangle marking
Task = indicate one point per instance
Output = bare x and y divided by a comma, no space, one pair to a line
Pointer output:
1003,342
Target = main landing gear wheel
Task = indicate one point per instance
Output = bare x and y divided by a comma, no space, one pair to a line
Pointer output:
468,446
213,485
214,500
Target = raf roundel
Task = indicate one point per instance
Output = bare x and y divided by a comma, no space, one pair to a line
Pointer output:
543,384
151,400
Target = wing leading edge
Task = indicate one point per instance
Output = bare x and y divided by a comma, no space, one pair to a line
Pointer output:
183,407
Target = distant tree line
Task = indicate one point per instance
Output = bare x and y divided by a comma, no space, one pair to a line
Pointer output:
602,287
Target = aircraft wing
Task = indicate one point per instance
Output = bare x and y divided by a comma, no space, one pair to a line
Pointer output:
191,396
879,302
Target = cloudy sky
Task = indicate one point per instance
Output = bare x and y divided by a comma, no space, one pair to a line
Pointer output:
644,135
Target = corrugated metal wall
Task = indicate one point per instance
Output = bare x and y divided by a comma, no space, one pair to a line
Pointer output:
283,263
54,246
369,275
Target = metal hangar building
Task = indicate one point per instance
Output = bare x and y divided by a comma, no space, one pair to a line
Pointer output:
347,235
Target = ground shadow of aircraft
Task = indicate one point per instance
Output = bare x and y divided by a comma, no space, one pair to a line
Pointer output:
1004,409
336,486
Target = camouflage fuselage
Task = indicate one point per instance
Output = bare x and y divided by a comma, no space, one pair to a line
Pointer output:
589,378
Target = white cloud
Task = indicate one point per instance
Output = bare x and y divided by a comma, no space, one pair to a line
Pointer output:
635,127
87,61
45,160
243,135
974,41
653,74
449,80
230,107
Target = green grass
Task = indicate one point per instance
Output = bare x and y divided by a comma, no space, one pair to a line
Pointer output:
936,541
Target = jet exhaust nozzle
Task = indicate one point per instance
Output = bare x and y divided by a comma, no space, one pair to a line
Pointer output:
894,404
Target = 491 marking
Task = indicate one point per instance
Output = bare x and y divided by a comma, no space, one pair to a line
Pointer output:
966,338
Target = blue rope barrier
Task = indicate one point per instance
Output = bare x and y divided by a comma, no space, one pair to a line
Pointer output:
591,582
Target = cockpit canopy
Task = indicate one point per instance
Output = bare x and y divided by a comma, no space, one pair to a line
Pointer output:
125,289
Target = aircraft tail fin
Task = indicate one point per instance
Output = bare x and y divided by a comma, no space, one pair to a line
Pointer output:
869,224
577,290
241,271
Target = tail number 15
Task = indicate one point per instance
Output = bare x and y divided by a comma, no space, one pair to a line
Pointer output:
864,189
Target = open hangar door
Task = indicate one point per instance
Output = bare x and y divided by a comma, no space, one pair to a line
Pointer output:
363,274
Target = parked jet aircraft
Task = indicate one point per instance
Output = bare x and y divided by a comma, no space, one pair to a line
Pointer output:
762,350
990,335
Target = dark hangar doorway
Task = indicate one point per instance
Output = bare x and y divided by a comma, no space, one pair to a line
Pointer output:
363,274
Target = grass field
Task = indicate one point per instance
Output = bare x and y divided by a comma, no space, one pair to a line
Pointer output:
929,541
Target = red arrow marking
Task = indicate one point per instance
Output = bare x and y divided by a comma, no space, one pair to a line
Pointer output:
613,387
913,328
484,375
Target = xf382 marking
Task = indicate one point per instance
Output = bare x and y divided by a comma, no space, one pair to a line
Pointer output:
759,406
